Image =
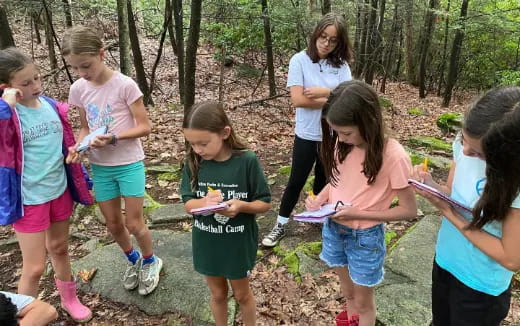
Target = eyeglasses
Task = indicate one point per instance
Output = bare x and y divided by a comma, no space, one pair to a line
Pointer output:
323,38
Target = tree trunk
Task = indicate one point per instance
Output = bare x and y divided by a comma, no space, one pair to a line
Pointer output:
429,26
409,51
191,54
268,49
125,61
375,40
325,7
171,33
389,53
68,13
167,21
365,32
49,40
138,58
36,21
179,36
6,35
444,50
359,28
455,54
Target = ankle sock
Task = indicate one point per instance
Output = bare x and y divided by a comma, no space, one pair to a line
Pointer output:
148,260
132,255
282,220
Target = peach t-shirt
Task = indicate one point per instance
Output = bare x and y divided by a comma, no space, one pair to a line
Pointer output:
353,188
109,105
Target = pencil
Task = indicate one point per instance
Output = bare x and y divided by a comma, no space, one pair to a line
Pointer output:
311,193
210,189
425,165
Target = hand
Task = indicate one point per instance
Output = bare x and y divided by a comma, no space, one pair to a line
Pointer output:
235,207
419,174
101,141
346,212
440,204
73,156
313,203
316,92
11,96
213,197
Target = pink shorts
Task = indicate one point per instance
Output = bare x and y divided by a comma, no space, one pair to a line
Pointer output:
39,217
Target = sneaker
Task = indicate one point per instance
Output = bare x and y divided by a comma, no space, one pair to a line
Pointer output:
272,239
131,276
149,276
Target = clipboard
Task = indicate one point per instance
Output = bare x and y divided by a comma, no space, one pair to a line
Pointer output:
320,215
456,204
206,210
84,145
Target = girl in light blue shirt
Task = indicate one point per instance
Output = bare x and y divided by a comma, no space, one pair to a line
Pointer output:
476,255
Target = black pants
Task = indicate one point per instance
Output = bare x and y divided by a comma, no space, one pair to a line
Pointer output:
455,304
305,154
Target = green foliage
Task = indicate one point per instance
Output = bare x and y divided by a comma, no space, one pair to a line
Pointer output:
416,158
247,71
509,77
431,143
384,102
415,111
286,170
169,176
389,235
309,183
449,122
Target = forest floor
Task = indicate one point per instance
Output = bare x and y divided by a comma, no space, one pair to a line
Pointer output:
268,128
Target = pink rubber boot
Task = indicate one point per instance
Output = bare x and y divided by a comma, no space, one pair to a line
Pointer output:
70,302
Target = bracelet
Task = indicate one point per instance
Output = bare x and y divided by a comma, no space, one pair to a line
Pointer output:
114,139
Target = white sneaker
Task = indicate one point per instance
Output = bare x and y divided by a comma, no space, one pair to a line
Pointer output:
149,276
276,234
131,276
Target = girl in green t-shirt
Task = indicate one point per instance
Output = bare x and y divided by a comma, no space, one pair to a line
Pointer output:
220,169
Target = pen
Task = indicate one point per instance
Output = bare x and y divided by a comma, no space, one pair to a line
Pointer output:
311,193
211,189
425,165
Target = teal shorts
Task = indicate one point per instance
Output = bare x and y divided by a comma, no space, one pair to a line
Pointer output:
121,180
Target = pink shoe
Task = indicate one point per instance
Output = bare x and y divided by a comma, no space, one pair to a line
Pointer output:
70,302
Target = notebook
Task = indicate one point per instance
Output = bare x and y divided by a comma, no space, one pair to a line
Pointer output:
441,195
84,145
209,209
318,216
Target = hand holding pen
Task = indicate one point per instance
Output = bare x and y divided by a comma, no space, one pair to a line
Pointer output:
213,197
312,203
420,172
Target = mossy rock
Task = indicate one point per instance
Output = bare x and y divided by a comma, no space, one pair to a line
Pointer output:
434,161
308,184
384,102
449,122
286,170
163,168
291,259
430,143
169,176
415,111
247,71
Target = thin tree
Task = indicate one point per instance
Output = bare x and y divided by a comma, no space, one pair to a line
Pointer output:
68,13
35,17
49,40
6,35
455,54
375,41
388,57
444,49
125,61
138,58
171,33
362,56
191,54
268,43
409,44
429,26
326,7
166,22
178,16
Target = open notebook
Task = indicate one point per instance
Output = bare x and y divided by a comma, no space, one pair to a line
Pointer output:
318,216
456,204
209,209
84,145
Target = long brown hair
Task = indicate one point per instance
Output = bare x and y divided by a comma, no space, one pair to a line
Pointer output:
209,116
342,53
495,120
12,61
353,103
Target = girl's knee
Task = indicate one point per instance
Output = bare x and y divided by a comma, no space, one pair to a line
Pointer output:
34,272
115,227
58,248
363,307
243,297
219,296
136,227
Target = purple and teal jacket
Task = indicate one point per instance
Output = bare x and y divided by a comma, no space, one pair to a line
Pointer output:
11,163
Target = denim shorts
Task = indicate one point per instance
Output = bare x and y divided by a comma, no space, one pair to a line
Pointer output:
362,250
121,180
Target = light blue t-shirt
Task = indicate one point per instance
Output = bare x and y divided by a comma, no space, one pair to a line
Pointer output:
457,254
19,300
303,72
44,176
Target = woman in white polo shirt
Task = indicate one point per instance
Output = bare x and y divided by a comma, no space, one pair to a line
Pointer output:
313,74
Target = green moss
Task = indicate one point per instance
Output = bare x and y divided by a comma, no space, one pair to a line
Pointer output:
292,262
416,158
431,143
384,102
259,253
415,111
309,183
395,202
150,204
285,170
311,249
247,71
449,122
389,235
169,176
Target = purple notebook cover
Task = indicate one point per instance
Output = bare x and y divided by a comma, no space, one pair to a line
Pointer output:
209,209
441,195
318,216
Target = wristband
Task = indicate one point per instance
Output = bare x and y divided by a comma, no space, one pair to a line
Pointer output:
114,139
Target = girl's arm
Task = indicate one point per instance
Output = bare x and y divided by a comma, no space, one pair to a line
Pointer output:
84,130
407,209
313,204
426,178
211,198
238,206
299,99
503,250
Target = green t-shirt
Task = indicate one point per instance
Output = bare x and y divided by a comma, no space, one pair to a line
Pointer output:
225,246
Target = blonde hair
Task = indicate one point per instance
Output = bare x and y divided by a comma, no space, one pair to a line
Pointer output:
81,40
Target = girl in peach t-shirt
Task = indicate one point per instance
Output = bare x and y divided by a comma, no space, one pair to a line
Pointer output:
366,171
108,98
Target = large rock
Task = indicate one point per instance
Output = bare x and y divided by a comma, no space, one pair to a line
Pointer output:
404,298
169,214
180,289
